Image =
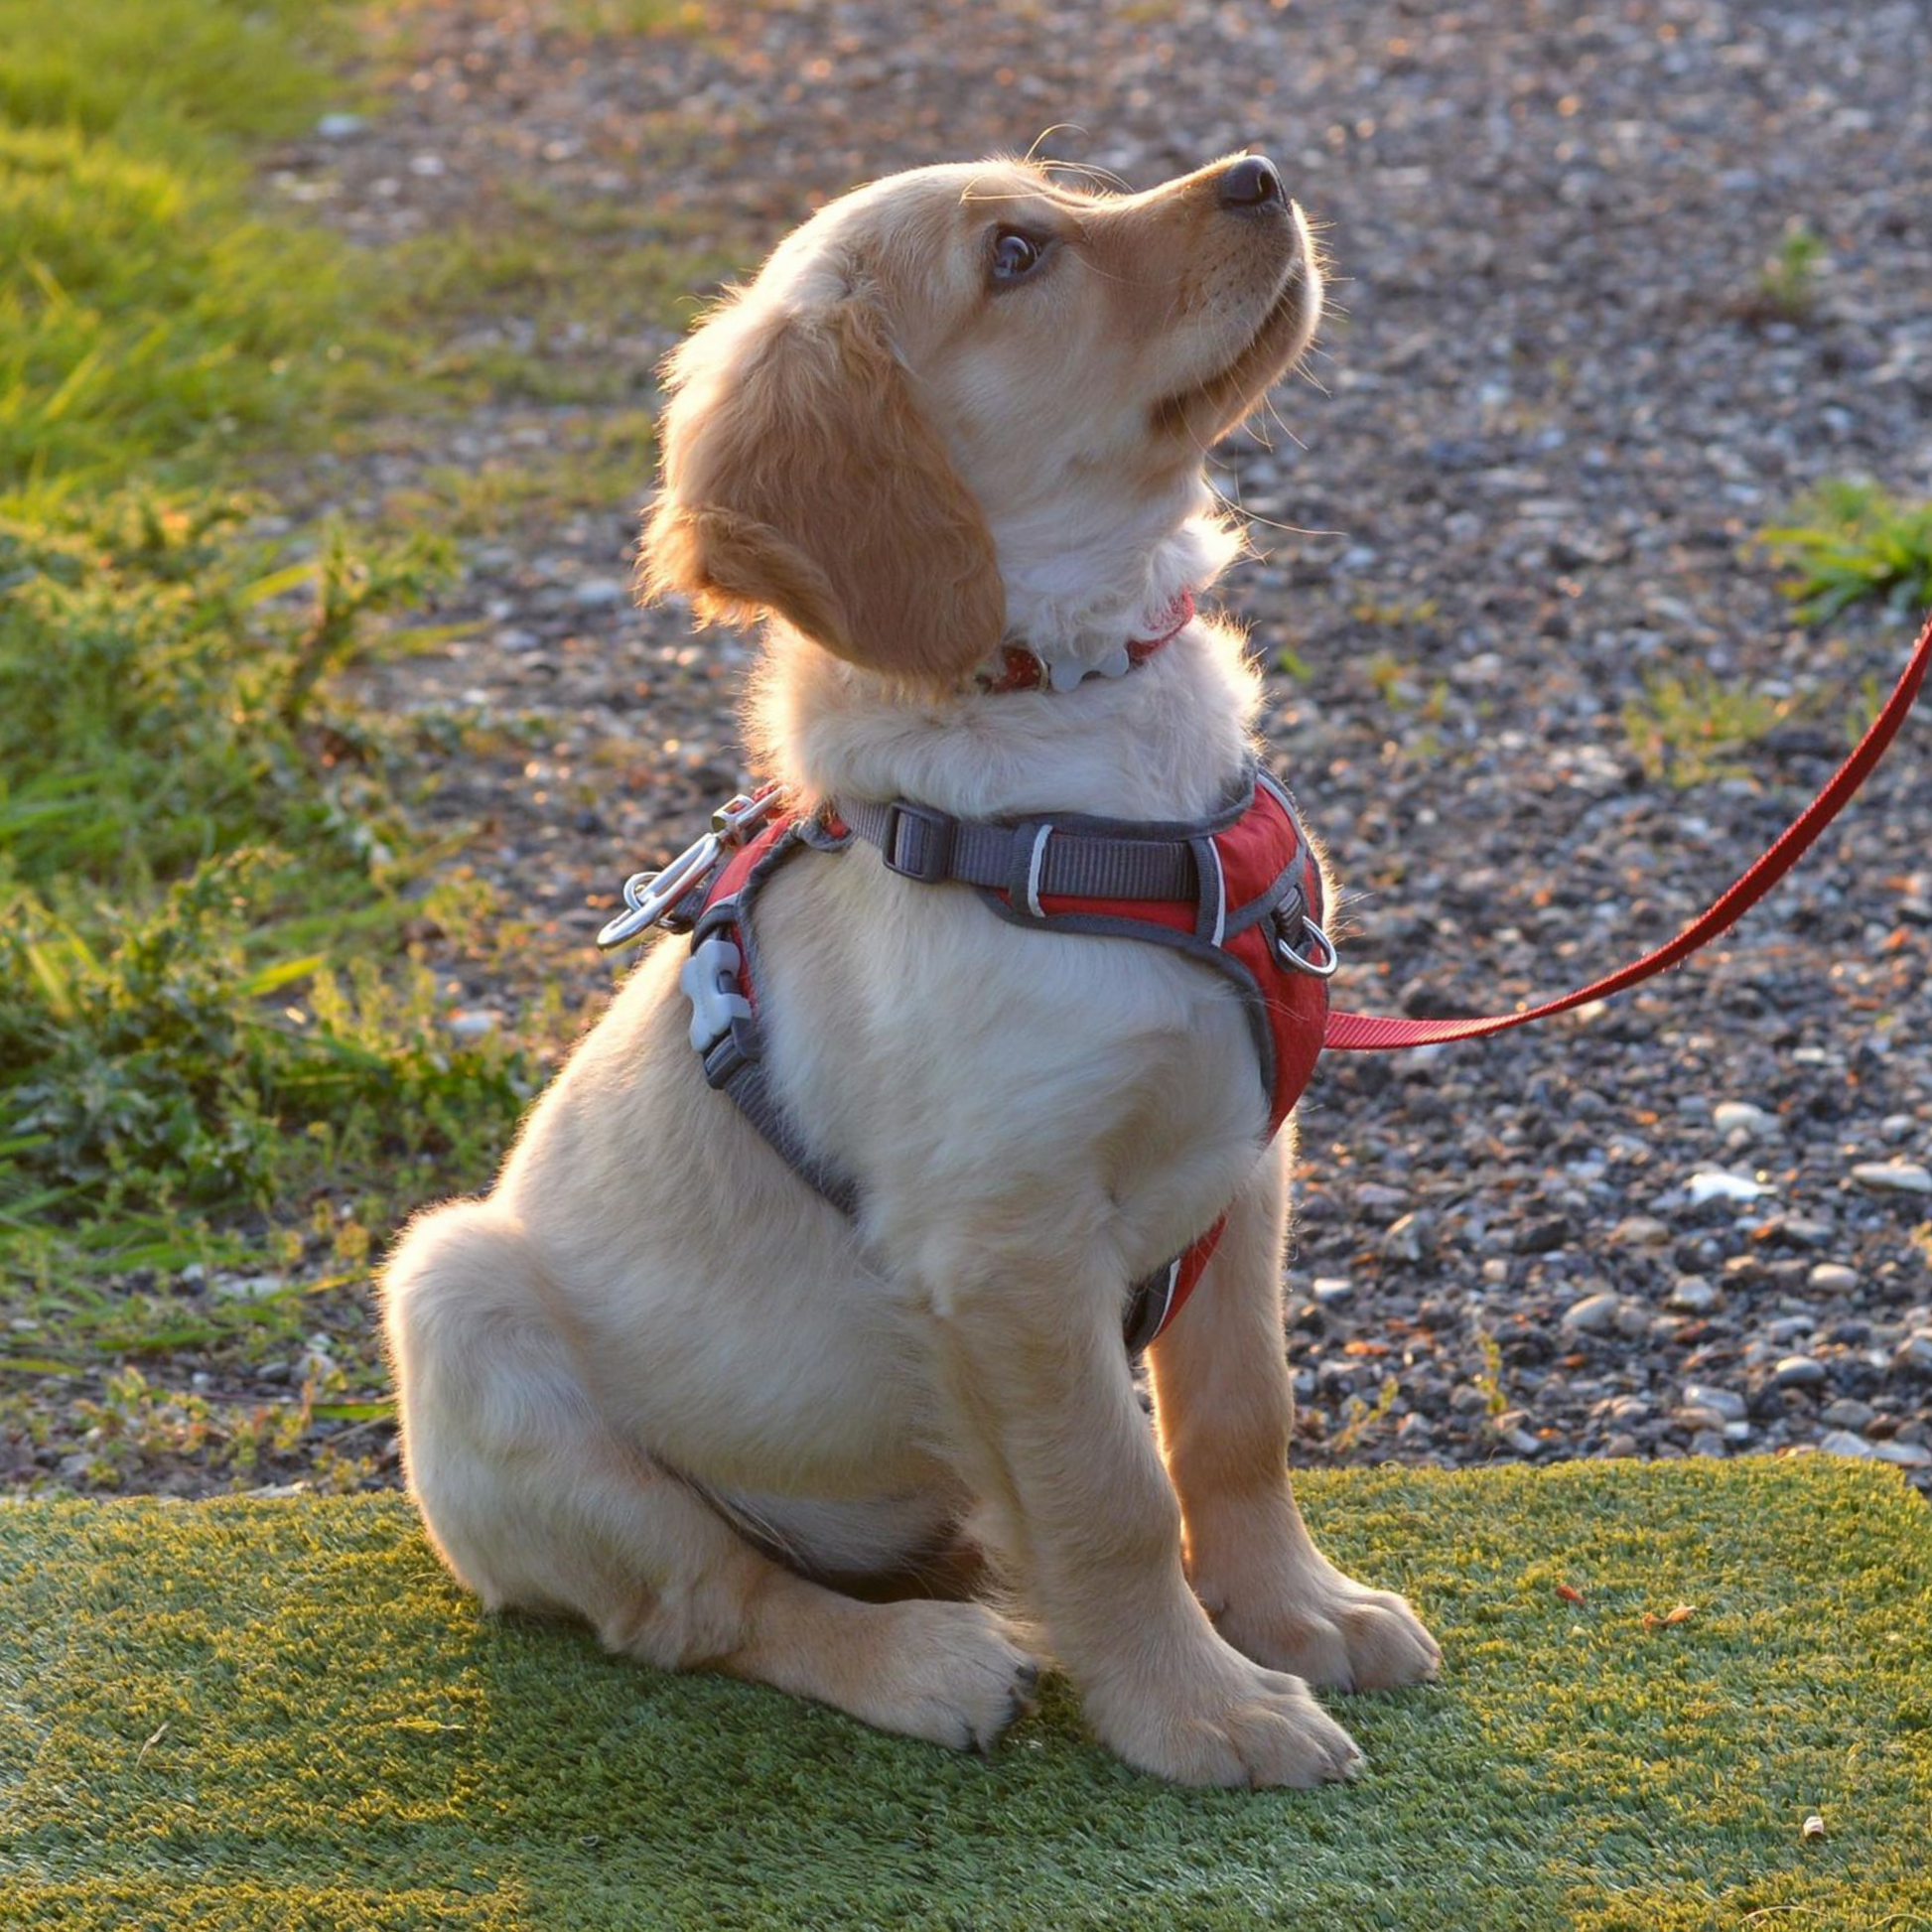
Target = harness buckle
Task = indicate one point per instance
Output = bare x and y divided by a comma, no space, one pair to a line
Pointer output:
918,841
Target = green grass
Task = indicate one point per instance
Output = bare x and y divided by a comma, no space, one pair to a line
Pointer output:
147,315
1853,543
283,1716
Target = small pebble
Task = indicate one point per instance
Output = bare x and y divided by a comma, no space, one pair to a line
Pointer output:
1848,1411
1905,1456
1893,1176
472,1022
1373,1195
1806,1233
1408,1239
1798,1372
1641,1232
1741,1118
245,1288
1711,1184
1726,1403
1330,1290
599,594
1915,1353
1593,1316
1694,1294
1833,1277
1709,1441
1841,1441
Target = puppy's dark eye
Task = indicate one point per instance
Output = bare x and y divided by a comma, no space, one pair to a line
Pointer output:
1016,255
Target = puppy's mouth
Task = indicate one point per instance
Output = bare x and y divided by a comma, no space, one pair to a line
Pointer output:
1209,409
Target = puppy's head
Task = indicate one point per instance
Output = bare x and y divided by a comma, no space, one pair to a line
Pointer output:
958,361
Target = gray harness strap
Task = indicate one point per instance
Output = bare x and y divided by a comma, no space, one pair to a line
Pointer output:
1028,859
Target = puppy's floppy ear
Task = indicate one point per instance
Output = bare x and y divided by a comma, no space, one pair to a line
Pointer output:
801,477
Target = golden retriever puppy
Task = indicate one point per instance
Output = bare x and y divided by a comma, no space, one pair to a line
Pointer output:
657,1378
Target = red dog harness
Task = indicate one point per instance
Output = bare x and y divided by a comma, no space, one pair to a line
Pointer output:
1239,892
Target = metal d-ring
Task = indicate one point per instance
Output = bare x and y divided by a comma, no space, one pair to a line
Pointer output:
1323,968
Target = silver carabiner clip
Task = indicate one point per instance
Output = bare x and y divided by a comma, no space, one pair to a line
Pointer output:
648,896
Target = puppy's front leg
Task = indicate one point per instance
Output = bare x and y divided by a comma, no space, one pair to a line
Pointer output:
1227,1409
1047,1421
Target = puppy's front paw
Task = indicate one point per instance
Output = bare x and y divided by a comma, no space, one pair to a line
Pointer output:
954,1675
1334,1632
1231,1724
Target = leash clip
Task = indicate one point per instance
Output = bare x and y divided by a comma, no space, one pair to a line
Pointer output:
650,896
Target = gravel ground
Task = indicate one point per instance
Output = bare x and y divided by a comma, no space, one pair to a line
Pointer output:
1526,476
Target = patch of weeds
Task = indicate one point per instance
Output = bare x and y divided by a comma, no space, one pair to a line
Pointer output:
1688,731
192,840
1395,612
156,680
600,17
1359,1418
1788,284
140,1430
153,1068
1853,543
1489,1377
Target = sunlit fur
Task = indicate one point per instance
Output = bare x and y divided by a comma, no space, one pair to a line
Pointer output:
655,1381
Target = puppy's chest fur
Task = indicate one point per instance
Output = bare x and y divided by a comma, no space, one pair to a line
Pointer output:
962,1068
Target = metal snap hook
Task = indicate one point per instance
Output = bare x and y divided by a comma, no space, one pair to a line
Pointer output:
651,894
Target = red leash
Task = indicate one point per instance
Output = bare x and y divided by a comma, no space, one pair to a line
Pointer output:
1372,1032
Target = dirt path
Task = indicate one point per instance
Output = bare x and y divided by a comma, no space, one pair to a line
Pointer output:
1525,484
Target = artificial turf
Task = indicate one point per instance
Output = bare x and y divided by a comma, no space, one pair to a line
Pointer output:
280,1713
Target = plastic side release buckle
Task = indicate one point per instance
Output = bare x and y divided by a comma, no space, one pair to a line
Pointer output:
709,979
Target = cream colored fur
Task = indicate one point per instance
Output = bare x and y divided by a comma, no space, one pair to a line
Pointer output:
653,1362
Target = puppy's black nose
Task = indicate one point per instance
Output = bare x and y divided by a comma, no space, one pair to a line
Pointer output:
1252,182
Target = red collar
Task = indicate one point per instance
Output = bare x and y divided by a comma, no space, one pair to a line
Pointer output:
1026,670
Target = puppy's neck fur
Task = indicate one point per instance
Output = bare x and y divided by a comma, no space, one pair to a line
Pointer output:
1166,741
1074,598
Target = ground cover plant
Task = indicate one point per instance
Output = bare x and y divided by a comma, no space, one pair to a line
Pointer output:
1674,1699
